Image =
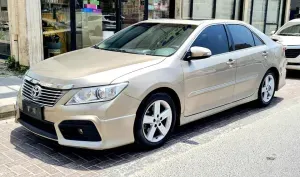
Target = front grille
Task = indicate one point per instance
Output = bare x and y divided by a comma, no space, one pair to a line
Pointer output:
292,53
47,97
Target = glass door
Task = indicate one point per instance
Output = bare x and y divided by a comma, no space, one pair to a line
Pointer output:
4,30
158,9
273,16
95,21
132,11
258,14
56,27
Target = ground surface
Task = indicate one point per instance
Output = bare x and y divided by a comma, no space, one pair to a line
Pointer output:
244,141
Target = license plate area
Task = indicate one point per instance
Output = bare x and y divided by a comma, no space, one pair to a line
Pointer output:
33,110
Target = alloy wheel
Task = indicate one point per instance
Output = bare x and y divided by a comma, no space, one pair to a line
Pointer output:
268,88
157,121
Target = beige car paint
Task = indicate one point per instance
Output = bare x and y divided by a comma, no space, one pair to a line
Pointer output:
204,87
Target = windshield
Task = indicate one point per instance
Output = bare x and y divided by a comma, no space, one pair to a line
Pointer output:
155,39
291,31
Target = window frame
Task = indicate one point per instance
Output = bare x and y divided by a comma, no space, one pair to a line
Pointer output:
263,43
252,32
227,35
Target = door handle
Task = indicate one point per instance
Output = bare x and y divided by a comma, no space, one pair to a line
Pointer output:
230,62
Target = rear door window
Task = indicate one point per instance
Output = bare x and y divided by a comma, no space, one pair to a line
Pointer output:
242,37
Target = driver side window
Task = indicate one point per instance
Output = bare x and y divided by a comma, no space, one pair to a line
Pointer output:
214,38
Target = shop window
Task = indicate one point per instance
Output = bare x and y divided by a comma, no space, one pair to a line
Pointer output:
158,9
56,27
95,21
132,12
4,30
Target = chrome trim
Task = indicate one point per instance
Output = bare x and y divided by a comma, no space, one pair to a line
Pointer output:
47,96
209,89
49,85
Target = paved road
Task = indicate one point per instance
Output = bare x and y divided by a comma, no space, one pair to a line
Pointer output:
244,141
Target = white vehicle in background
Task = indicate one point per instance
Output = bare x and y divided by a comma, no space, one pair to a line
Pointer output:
289,36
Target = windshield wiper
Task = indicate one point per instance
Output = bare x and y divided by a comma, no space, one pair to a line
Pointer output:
96,47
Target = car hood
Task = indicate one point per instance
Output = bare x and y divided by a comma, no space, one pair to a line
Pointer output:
89,67
287,40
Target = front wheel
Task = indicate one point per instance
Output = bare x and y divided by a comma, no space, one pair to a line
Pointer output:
267,89
155,120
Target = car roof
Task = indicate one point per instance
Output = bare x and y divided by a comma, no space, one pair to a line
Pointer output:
295,20
192,22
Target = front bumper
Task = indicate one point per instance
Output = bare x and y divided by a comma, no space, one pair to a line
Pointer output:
292,58
293,63
113,120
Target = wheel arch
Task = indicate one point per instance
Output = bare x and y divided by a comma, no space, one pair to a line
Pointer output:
173,94
277,75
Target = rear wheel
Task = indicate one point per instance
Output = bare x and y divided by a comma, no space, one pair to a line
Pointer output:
267,89
155,120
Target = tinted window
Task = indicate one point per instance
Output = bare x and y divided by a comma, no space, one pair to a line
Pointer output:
242,36
291,31
257,41
213,38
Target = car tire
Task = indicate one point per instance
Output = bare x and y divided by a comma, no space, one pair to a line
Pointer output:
267,89
155,121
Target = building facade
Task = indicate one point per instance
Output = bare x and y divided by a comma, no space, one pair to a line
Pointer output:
39,29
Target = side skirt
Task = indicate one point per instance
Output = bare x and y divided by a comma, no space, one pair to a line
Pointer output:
188,119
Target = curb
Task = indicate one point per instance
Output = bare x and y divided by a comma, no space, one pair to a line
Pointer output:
7,108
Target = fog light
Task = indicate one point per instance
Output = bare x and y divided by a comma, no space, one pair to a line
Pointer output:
80,131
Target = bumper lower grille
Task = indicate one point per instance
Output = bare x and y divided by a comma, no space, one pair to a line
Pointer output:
79,130
45,97
40,127
292,53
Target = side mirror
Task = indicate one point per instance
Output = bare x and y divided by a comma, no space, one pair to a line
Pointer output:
198,53
272,32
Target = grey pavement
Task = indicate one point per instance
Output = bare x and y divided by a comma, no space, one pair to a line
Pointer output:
243,141
9,87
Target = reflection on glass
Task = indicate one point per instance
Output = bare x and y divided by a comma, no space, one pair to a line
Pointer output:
132,12
4,30
56,27
95,21
139,39
158,9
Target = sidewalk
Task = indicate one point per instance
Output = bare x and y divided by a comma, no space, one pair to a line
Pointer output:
9,87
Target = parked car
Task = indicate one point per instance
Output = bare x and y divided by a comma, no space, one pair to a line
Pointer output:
135,87
289,36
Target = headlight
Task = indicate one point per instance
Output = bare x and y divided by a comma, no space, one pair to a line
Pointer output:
97,94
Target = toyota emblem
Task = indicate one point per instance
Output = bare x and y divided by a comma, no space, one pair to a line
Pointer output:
36,91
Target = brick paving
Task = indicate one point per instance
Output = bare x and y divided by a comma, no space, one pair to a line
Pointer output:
24,154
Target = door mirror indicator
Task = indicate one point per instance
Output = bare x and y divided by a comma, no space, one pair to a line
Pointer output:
198,53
